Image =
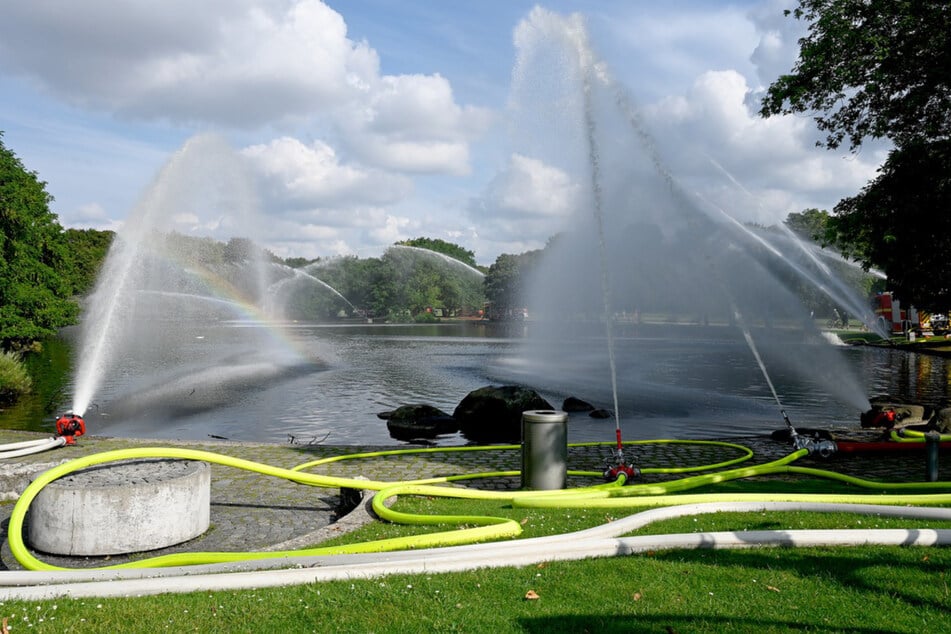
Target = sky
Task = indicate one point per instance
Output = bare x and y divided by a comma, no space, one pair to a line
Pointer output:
366,122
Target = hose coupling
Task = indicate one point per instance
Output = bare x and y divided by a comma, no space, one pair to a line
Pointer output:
613,472
822,446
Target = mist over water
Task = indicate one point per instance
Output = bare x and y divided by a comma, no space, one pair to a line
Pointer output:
662,262
164,286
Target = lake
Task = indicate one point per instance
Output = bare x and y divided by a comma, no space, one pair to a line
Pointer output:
222,381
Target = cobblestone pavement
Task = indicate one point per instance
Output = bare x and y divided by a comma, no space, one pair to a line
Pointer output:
254,512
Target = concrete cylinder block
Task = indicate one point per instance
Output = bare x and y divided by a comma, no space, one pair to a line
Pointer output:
121,508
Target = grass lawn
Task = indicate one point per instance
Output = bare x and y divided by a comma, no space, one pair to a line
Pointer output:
774,590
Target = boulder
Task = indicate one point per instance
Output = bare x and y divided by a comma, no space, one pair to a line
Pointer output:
494,413
572,404
414,422
601,413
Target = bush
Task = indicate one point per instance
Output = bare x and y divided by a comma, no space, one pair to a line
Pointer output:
426,318
14,380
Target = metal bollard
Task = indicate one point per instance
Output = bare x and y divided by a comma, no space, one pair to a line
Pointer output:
544,450
933,442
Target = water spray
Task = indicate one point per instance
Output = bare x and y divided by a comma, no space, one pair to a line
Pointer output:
824,447
616,465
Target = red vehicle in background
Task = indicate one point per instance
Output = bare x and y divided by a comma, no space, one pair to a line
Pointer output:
898,320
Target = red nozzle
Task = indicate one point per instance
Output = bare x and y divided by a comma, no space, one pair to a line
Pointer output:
70,427
630,472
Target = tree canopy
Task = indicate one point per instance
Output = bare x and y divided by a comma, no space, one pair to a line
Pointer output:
505,283
899,223
810,224
882,69
87,250
870,68
34,294
441,246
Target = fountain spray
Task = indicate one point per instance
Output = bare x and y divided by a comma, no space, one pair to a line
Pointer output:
825,447
616,464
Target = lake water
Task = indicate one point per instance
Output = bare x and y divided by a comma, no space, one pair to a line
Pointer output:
220,383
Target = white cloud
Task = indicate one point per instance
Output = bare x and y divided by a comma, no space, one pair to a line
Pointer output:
242,65
528,188
238,63
759,169
778,46
348,159
393,229
665,45
299,175
91,216
521,207
411,123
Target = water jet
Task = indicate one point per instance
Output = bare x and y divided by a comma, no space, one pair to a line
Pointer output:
161,330
648,263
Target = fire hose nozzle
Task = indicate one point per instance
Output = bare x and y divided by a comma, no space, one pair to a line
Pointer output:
630,472
825,448
70,426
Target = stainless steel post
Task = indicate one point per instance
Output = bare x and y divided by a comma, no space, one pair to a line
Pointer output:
544,450
933,442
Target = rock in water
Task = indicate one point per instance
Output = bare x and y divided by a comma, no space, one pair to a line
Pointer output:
494,413
413,422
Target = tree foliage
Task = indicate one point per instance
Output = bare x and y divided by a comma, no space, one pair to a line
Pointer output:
810,224
505,283
86,249
871,68
441,246
401,285
421,283
34,294
814,225
882,69
899,222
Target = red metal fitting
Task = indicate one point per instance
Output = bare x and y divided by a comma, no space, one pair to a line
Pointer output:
630,472
70,427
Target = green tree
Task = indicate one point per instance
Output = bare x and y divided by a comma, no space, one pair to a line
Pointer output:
239,250
87,249
420,280
505,283
365,283
298,262
899,222
870,68
882,69
34,295
454,251
810,224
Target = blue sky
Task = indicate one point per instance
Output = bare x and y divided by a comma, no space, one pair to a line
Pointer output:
370,121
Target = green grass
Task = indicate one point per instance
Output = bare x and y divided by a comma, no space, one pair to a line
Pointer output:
855,589
867,589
